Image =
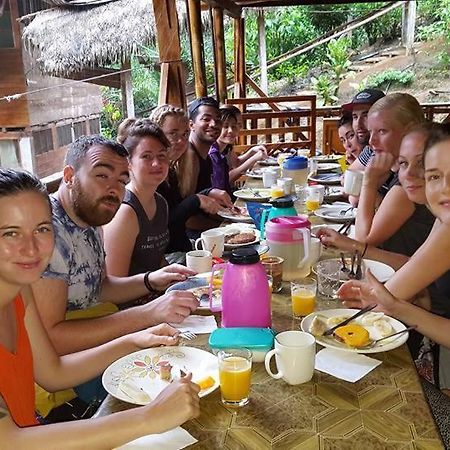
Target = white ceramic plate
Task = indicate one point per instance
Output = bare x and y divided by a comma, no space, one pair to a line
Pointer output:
383,346
380,271
142,369
333,212
326,167
233,217
231,230
257,173
328,158
247,194
327,178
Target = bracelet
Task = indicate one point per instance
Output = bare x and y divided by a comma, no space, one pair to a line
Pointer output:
365,250
147,282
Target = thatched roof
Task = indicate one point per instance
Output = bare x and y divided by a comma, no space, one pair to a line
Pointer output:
65,40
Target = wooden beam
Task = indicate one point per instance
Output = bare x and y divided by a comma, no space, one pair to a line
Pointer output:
229,7
126,87
172,89
239,58
408,26
112,80
262,51
198,59
219,52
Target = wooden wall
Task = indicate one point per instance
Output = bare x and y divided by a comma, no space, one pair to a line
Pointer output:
13,114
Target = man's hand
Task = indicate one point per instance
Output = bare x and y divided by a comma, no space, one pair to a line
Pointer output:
162,278
162,334
358,294
172,307
222,197
209,205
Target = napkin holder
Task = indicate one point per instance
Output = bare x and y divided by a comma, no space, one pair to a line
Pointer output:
258,340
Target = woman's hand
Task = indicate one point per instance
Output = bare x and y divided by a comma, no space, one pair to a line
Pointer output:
160,279
377,169
162,334
331,238
221,197
209,205
361,293
176,404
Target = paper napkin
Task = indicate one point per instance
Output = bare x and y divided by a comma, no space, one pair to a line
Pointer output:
174,439
347,366
197,324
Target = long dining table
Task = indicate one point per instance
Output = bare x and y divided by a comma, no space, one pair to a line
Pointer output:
386,409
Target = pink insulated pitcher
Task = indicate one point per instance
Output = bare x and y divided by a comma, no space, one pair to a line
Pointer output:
245,291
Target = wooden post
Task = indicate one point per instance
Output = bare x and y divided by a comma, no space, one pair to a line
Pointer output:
408,25
239,58
219,51
172,88
198,60
262,51
126,87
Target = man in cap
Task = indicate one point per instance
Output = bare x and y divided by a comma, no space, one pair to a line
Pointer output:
359,108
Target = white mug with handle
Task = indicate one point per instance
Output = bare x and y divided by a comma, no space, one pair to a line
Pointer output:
213,241
295,354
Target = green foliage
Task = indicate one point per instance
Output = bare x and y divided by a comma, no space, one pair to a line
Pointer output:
338,57
387,78
111,114
325,88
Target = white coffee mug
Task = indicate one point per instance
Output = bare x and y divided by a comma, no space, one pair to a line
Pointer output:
213,241
199,260
286,184
353,182
269,178
295,354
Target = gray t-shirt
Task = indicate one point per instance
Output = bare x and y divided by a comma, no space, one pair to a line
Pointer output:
78,259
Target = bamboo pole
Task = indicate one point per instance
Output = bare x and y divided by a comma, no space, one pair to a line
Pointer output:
219,50
239,58
198,60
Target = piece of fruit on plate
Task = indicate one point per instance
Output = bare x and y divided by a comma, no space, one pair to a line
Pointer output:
352,335
205,382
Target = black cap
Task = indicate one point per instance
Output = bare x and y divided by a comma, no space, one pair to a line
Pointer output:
282,202
365,97
246,255
208,101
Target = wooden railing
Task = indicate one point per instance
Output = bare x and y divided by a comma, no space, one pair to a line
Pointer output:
277,122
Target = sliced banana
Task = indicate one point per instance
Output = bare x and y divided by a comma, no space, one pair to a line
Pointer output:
370,318
136,393
383,327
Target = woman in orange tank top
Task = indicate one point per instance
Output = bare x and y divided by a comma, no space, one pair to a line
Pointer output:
26,354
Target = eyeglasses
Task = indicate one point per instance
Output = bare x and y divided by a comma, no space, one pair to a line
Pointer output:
175,137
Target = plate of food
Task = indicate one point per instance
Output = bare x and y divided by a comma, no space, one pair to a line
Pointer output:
237,214
257,172
359,334
240,237
253,195
337,213
328,158
269,161
327,167
326,178
199,286
333,192
139,377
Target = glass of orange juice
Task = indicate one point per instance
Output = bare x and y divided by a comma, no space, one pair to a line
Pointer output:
303,294
276,191
235,367
312,199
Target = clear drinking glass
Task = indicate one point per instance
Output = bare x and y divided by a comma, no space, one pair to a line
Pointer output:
303,295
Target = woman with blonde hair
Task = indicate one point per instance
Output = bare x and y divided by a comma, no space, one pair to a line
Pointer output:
378,222
174,123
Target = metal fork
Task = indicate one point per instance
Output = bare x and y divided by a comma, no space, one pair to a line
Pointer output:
188,335
255,193
343,212
375,342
